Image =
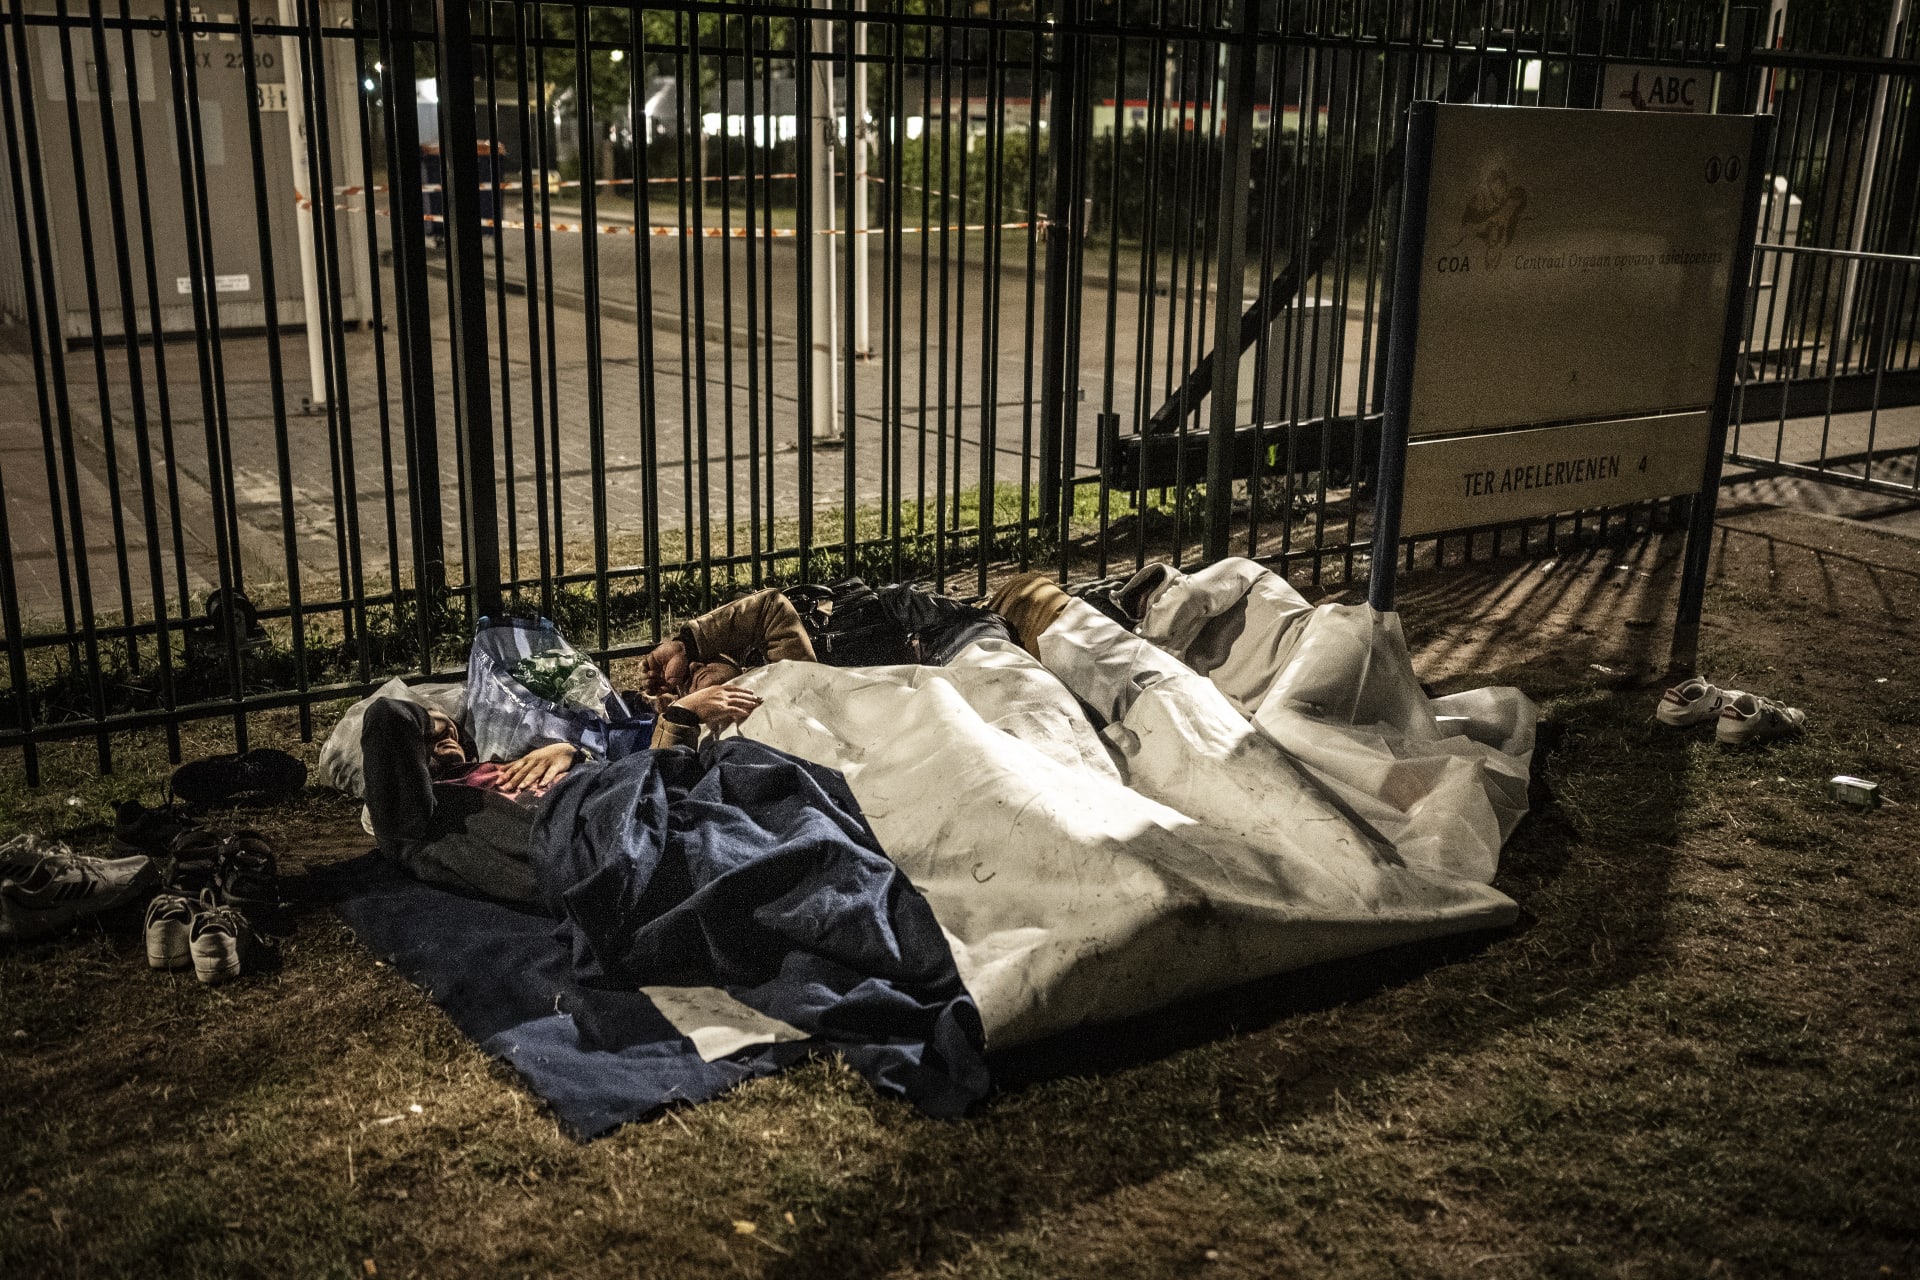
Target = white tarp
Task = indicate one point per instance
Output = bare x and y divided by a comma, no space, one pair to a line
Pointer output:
1304,803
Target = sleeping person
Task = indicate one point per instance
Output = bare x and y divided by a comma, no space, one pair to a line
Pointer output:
450,819
848,624
711,650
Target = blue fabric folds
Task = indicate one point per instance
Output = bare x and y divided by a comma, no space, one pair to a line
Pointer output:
744,868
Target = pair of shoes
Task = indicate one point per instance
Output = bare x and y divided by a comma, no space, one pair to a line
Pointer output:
240,867
1738,717
44,886
262,774
214,937
140,830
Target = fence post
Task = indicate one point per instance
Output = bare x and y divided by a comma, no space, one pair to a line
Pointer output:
1064,154
419,420
467,320
1235,173
1586,60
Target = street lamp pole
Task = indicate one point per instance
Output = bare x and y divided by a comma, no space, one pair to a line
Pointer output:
303,209
822,301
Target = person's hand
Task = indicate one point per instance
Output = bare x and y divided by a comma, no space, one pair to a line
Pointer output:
538,767
721,704
664,671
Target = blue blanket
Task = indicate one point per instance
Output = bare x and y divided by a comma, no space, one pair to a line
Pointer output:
745,869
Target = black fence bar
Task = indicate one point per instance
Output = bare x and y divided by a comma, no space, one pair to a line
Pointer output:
1064,199
472,397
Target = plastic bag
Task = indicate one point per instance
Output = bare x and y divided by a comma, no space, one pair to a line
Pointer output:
508,719
341,766
586,690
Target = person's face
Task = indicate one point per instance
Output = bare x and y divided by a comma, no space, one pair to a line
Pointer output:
443,740
711,673
665,669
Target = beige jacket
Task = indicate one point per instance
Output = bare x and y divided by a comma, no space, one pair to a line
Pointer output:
750,632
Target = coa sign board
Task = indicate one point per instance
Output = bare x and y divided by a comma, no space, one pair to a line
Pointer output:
1577,265
1463,481
1686,91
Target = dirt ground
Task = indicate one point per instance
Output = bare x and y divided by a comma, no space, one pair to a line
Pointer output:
1698,1054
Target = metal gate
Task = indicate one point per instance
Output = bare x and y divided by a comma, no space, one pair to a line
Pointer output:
609,313
1834,348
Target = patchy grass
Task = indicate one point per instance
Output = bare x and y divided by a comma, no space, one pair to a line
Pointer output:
1698,1055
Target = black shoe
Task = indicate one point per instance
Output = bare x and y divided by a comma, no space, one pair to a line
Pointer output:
196,863
248,877
140,830
260,774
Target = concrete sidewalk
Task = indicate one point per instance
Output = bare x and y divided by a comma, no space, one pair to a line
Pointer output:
704,432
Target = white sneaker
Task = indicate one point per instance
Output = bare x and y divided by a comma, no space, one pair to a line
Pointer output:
169,917
1693,702
46,887
221,941
1750,718
23,855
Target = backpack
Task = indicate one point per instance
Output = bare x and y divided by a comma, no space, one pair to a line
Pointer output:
850,625
854,625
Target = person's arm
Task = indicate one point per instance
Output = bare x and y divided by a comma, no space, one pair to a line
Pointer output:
764,623
1030,603
716,705
394,752
541,766
676,727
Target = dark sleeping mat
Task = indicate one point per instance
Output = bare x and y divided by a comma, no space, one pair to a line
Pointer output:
502,975
739,868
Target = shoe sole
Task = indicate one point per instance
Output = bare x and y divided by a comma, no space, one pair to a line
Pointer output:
213,969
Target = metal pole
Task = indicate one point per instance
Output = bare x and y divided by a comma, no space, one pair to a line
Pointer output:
1396,411
821,299
1062,154
1236,171
859,139
303,210
472,388
418,394
1863,202
1693,572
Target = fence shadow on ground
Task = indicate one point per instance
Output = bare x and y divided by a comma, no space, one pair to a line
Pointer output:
1152,1096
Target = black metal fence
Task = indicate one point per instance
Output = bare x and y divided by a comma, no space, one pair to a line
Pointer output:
331,326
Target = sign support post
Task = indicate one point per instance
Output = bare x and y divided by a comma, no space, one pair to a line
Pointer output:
1693,573
1396,412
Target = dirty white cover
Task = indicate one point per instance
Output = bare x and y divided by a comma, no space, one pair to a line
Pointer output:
1267,787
